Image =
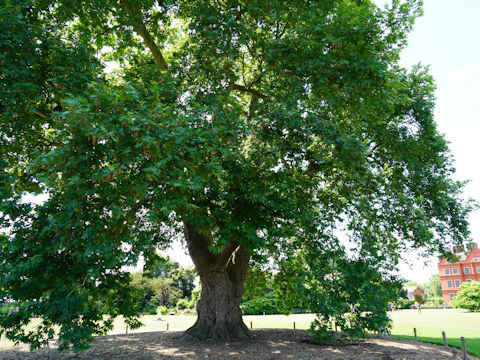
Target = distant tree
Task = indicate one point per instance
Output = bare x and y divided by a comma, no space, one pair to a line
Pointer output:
257,283
402,294
418,298
468,297
160,291
433,288
168,269
412,283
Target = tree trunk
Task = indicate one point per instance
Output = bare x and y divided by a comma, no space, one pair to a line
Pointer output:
222,276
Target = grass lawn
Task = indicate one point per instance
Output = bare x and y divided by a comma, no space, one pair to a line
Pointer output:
431,322
183,322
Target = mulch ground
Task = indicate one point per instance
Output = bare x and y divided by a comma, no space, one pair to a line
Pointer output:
264,345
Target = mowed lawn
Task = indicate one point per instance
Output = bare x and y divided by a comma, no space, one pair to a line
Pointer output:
431,322
429,325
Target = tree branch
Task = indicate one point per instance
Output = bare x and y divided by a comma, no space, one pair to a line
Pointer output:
197,244
41,114
142,30
227,251
249,90
237,268
241,12
251,107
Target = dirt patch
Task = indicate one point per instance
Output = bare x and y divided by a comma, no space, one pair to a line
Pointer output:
264,345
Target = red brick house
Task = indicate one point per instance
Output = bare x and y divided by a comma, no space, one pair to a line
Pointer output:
452,275
412,291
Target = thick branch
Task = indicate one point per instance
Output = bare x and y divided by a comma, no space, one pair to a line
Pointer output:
241,12
197,244
251,107
142,30
249,90
41,114
227,251
237,268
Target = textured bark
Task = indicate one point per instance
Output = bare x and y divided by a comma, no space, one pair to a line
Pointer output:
222,276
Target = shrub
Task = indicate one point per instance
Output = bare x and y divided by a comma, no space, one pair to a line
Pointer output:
183,303
468,297
261,304
151,306
405,303
418,299
195,297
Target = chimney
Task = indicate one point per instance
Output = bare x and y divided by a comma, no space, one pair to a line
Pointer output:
458,249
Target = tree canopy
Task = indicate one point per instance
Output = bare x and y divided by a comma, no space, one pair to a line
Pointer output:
468,297
251,130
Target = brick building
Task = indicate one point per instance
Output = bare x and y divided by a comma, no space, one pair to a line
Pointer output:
412,291
452,275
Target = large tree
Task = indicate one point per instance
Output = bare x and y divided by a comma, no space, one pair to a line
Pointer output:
250,129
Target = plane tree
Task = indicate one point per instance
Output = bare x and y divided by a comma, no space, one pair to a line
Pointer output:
251,130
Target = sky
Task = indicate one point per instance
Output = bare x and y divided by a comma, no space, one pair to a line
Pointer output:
446,38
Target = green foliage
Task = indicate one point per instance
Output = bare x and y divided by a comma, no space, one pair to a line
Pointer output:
257,283
183,303
271,128
167,269
468,297
349,295
154,292
433,288
151,306
266,304
418,299
195,297
437,300
402,294
404,303
5,308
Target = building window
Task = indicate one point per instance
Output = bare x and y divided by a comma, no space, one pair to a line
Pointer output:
449,284
457,283
476,259
469,280
467,270
447,271
454,271
451,296
478,269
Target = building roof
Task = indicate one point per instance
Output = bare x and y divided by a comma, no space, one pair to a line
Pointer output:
411,288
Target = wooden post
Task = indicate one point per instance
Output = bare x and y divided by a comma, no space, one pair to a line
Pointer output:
294,325
167,326
251,325
454,353
464,349
126,329
415,333
445,345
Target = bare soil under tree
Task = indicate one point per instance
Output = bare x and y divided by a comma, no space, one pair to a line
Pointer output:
264,345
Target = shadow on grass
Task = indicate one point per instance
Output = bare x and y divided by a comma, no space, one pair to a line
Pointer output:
264,345
472,344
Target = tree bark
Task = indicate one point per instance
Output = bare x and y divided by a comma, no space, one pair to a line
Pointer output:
222,276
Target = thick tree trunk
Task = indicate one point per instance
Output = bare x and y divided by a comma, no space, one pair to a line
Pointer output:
222,276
